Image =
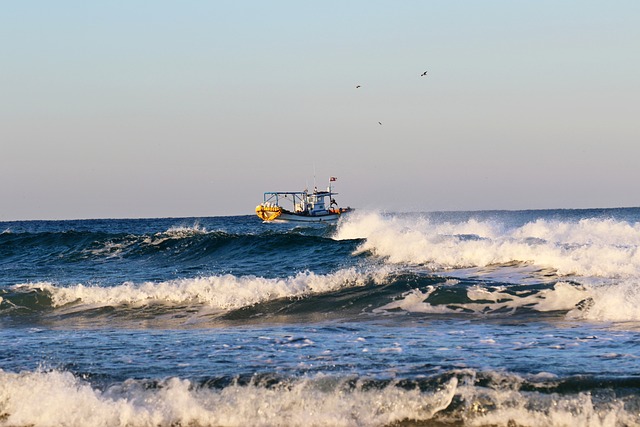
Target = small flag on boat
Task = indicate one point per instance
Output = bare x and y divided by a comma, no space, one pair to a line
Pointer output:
333,178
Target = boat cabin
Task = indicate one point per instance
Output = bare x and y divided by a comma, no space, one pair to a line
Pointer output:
303,202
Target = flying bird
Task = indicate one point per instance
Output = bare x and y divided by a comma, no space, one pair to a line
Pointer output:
380,123
423,74
357,86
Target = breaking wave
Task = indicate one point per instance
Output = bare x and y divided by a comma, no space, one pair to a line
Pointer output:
225,292
601,248
347,293
459,397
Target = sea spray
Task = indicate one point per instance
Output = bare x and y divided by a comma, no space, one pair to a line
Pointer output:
589,248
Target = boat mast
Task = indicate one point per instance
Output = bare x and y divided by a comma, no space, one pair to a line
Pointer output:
315,187
331,179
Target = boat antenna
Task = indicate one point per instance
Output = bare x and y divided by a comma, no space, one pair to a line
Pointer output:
314,176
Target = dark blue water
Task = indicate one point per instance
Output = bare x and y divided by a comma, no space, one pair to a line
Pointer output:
452,318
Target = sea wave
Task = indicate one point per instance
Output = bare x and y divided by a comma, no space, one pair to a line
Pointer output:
44,398
225,292
179,245
600,248
346,293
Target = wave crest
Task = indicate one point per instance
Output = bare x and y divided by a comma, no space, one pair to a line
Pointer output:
343,294
459,397
224,292
589,247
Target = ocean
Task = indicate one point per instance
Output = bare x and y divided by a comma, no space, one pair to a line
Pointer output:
493,318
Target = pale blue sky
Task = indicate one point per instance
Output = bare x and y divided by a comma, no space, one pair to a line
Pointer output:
195,108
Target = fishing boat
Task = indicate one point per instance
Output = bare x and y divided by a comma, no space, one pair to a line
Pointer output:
303,206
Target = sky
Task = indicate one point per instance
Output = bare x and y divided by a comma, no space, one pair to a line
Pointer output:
145,109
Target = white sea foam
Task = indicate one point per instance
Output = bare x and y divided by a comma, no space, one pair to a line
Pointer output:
586,231
186,230
114,249
617,302
225,292
563,297
603,254
613,303
176,232
505,405
110,249
59,398
590,247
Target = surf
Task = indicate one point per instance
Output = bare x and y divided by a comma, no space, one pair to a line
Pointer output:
598,248
345,295
454,398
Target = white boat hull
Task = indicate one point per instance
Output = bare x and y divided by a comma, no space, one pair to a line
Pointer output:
288,217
